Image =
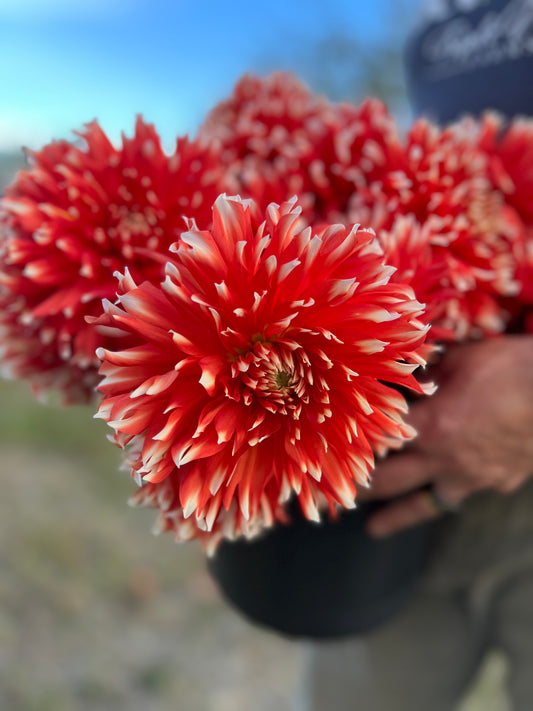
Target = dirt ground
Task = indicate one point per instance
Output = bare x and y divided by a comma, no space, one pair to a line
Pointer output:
96,614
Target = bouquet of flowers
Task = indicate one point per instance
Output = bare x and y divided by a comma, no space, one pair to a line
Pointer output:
247,312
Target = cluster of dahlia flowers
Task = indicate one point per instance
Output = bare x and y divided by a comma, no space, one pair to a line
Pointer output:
248,310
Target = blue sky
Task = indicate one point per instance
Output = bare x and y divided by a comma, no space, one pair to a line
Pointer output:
65,62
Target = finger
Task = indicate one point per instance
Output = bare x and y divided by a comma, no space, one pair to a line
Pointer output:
510,484
401,473
409,511
421,416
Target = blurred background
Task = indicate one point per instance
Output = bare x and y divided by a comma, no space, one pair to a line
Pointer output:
66,63
95,613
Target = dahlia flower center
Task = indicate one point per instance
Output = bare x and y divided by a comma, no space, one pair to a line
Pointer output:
485,213
280,391
132,227
133,223
282,380
278,381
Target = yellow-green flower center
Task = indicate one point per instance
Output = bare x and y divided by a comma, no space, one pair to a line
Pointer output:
282,380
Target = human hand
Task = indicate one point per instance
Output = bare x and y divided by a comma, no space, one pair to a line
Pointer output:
474,433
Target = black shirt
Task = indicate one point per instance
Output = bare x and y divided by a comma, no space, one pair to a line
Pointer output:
467,56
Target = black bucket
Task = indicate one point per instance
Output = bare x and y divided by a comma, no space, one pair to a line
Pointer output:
322,580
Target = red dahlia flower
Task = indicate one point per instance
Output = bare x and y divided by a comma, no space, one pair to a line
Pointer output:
271,117
260,370
280,139
457,306
464,233
355,151
67,223
436,173
510,152
267,131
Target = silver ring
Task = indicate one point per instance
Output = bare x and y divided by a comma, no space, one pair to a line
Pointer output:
440,504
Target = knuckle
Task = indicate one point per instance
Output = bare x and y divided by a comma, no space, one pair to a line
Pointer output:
444,425
468,466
